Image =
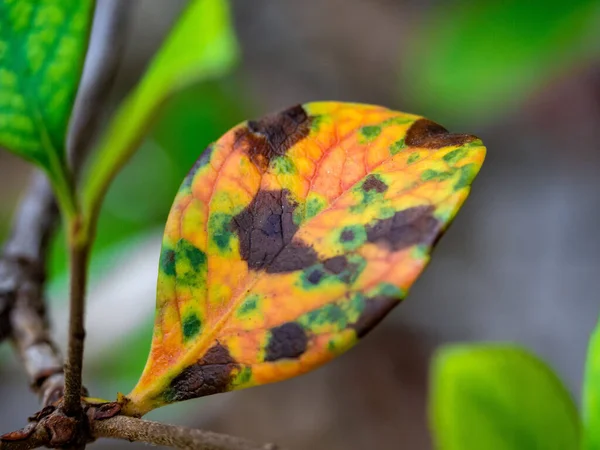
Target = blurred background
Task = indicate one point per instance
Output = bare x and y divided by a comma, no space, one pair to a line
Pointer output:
521,262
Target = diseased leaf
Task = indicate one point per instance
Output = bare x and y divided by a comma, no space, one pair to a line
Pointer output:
42,49
591,393
201,45
291,237
499,397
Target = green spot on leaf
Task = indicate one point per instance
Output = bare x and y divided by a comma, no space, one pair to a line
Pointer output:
219,231
243,377
370,133
414,157
467,174
396,121
330,316
452,157
249,305
191,326
167,262
315,123
313,206
434,175
397,147
283,166
190,264
419,252
387,290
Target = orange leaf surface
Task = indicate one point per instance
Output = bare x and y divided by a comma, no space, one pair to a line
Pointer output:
290,238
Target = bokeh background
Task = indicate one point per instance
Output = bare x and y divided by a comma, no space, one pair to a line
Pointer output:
521,262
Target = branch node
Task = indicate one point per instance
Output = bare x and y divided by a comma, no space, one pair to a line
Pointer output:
19,435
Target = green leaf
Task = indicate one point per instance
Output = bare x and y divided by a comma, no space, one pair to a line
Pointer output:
499,397
42,49
477,59
202,45
591,393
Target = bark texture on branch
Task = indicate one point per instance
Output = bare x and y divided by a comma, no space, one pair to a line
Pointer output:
102,62
107,43
22,275
31,437
23,260
155,433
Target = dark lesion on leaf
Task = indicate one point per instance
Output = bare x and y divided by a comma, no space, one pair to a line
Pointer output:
406,228
315,276
167,261
344,268
211,374
336,265
274,135
287,341
373,183
425,133
376,308
266,230
347,235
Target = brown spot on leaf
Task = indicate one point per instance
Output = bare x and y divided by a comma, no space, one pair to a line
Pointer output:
336,265
405,228
427,134
209,375
274,135
295,256
345,270
287,341
372,183
376,309
347,236
266,229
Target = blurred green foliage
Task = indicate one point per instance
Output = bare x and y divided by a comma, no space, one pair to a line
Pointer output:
591,394
42,49
475,60
201,45
140,197
498,397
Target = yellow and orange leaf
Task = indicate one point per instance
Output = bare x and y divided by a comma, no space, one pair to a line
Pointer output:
290,238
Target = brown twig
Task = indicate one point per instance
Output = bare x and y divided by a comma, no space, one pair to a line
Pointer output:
31,437
155,433
22,264
103,60
74,364
22,274
100,69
